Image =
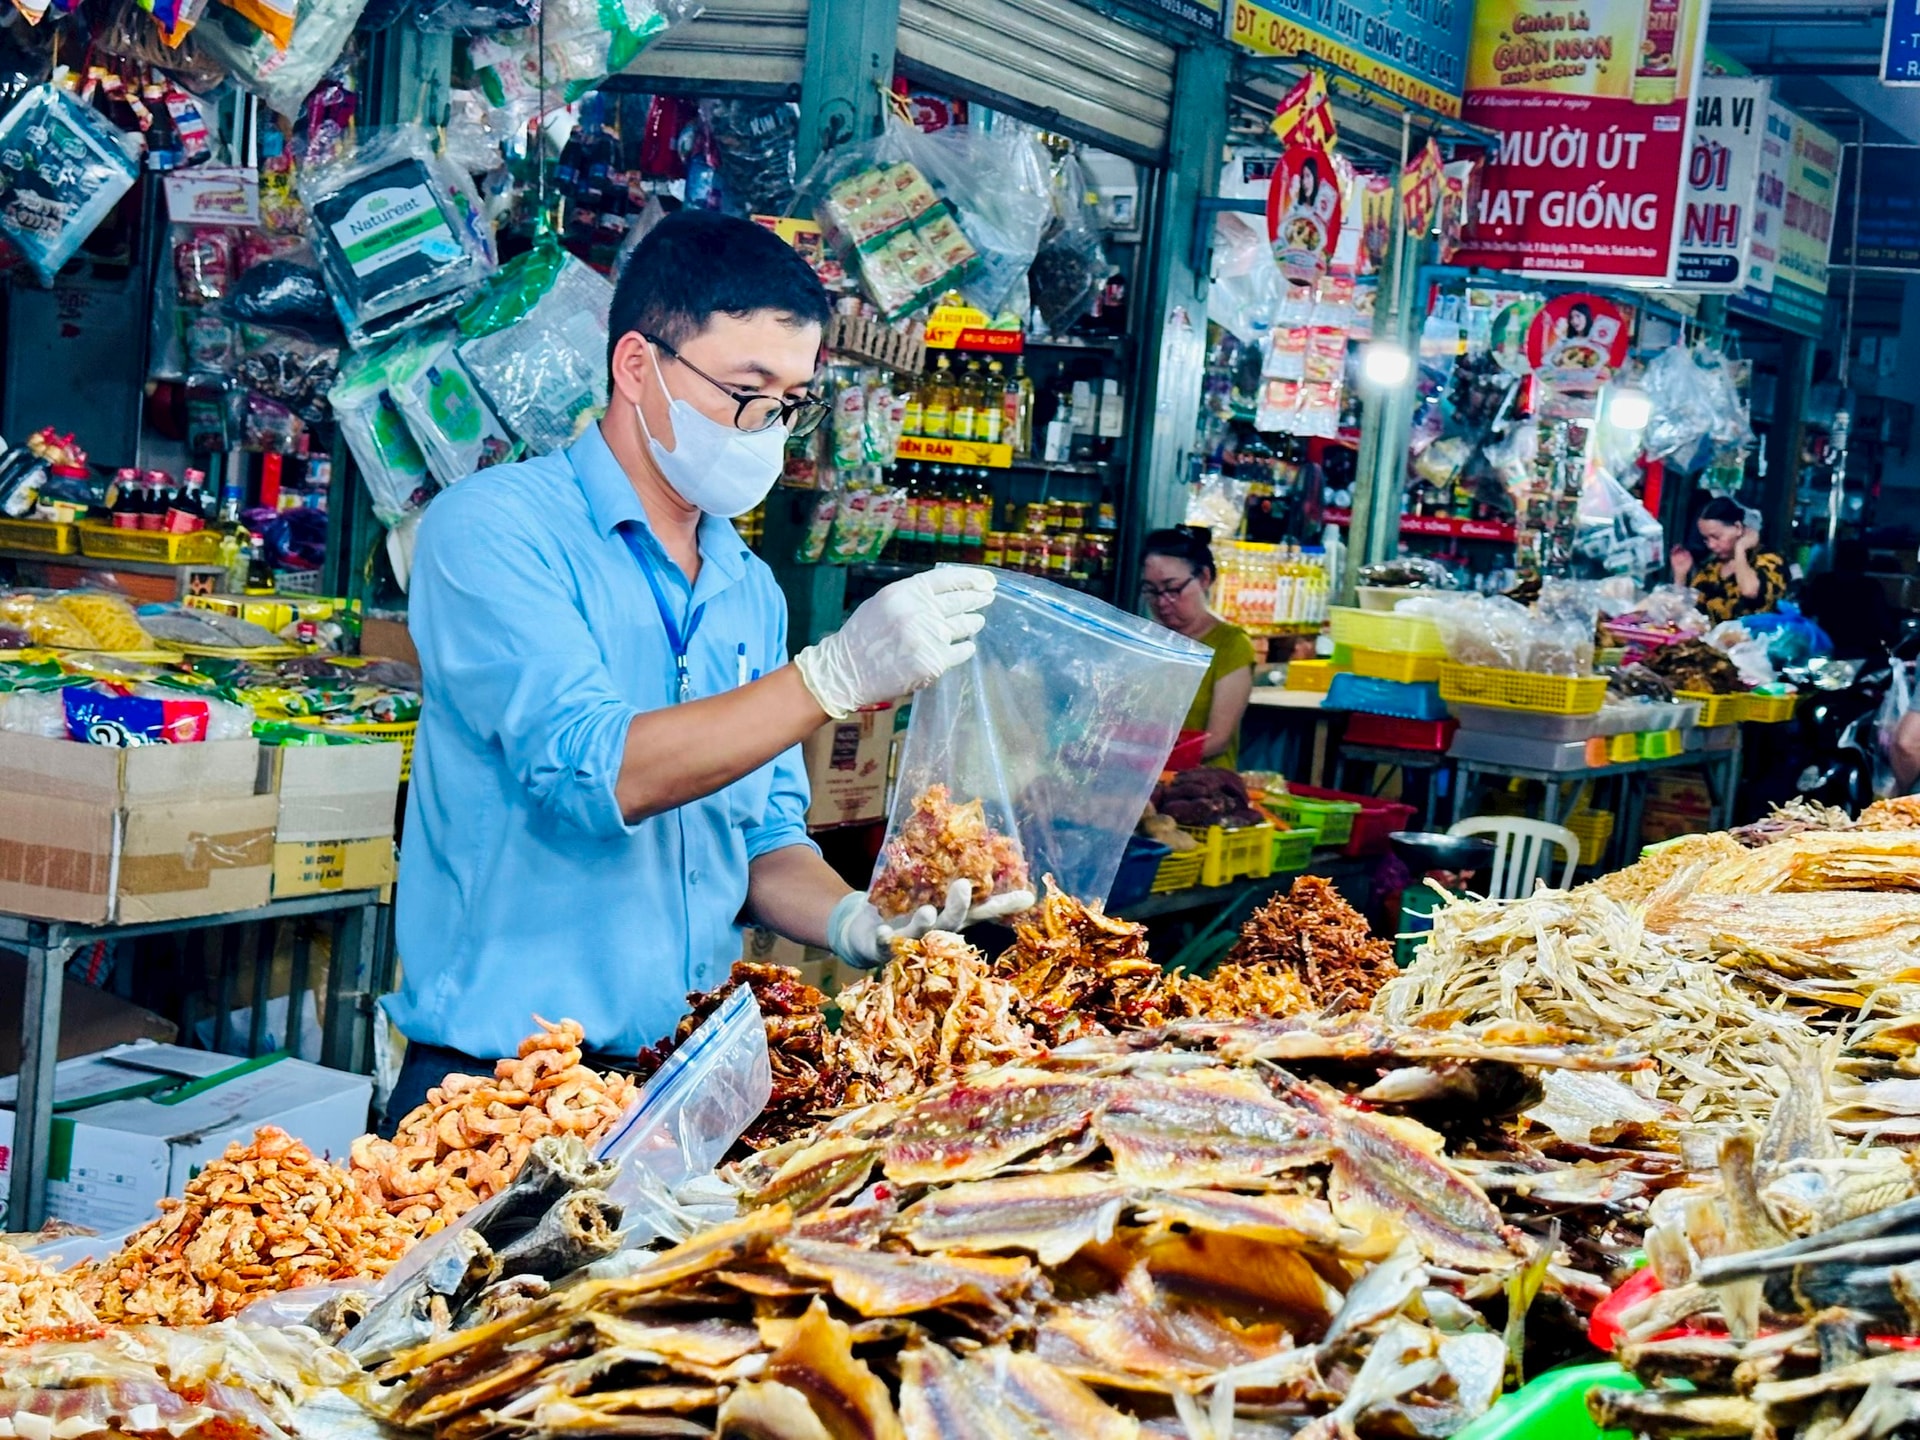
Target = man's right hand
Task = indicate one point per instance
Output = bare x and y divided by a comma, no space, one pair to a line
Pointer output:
901,640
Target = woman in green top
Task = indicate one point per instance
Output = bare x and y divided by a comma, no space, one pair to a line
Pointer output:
1175,577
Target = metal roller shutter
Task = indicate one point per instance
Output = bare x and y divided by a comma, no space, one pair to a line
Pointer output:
739,45
1069,67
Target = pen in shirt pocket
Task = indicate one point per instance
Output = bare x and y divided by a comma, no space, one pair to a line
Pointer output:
740,664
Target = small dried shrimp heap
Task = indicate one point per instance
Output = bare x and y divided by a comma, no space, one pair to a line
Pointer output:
1082,972
1323,940
941,842
807,1076
468,1141
37,1301
935,1013
264,1217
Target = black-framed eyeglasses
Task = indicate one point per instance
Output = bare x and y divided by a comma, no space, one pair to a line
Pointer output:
1165,592
755,412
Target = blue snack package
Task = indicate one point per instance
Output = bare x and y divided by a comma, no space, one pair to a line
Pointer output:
103,717
62,170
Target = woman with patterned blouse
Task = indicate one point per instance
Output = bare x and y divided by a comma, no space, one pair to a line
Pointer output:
1740,578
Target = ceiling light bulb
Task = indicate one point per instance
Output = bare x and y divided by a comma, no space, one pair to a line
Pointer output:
1629,409
1385,364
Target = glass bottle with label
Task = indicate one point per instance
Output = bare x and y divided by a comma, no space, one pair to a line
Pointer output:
953,512
966,402
910,413
979,516
936,410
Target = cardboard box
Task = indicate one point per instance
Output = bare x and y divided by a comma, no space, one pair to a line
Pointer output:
847,768
332,793
388,640
90,1018
316,867
138,1121
93,833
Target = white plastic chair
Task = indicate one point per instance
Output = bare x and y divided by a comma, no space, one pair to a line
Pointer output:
1520,852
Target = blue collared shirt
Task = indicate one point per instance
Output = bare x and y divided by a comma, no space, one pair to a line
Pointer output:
523,889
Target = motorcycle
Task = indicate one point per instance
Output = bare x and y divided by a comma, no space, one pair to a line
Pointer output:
1840,724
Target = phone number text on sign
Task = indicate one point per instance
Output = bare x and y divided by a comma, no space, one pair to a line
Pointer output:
1415,49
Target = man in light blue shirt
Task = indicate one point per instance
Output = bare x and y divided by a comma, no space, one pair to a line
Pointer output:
607,776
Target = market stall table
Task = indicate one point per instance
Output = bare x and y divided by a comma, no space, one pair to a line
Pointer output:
50,944
1286,731
1423,781
1721,768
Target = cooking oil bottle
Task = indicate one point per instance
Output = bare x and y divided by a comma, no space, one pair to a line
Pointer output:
936,410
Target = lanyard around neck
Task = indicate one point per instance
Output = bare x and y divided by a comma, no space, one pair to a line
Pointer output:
680,642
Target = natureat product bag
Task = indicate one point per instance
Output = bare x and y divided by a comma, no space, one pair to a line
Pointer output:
1037,756
394,227
62,170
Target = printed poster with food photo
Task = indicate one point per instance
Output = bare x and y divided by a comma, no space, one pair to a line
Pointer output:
1303,212
1592,102
1576,342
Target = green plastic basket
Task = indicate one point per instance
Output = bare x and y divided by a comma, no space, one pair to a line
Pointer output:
1332,818
1292,849
1552,1406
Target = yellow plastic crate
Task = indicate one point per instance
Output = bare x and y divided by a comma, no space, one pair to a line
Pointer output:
1622,748
1230,854
1768,709
1661,744
1179,871
42,537
1399,665
1311,675
404,731
1385,630
1715,709
103,542
1522,690
1593,828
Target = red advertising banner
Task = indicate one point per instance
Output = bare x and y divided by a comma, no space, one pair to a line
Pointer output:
1592,100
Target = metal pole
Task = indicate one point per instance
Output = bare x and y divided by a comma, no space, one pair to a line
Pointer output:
39,1052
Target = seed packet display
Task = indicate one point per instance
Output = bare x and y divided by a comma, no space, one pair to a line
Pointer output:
390,228
445,411
62,170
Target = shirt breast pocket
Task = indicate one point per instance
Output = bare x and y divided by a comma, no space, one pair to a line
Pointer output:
747,797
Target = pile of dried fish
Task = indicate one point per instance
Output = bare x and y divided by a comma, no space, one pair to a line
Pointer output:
221,1382
1796,817
263,1218
1164,1228
1819,861
1314,932
935,1012
1638,882
1581,960
468,1140
37,1301
1080,971
1901,812
941,841
808,1076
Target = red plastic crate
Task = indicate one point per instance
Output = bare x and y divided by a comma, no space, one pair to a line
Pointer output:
1377,818
1189,751
1398,734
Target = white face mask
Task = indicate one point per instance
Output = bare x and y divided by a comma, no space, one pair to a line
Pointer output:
714,467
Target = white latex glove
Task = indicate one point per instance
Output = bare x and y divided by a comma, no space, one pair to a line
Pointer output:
858,934
900,641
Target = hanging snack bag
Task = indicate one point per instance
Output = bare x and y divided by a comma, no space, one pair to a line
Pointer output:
62,170
1037,756
537,345
282,74
445,411
391,229
376,433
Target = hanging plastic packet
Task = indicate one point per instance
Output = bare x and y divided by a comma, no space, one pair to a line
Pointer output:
455,428
63,168
474,17
848,541
391,229
1037,756
281,75
586,41
813,542
377,435
849,418
541,359
884,510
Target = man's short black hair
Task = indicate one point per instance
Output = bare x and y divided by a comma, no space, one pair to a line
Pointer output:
695,264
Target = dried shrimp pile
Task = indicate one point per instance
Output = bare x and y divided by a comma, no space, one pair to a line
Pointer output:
941,842
936,1012
466,1143
808,1076
263,1218
37,1301
1324,941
